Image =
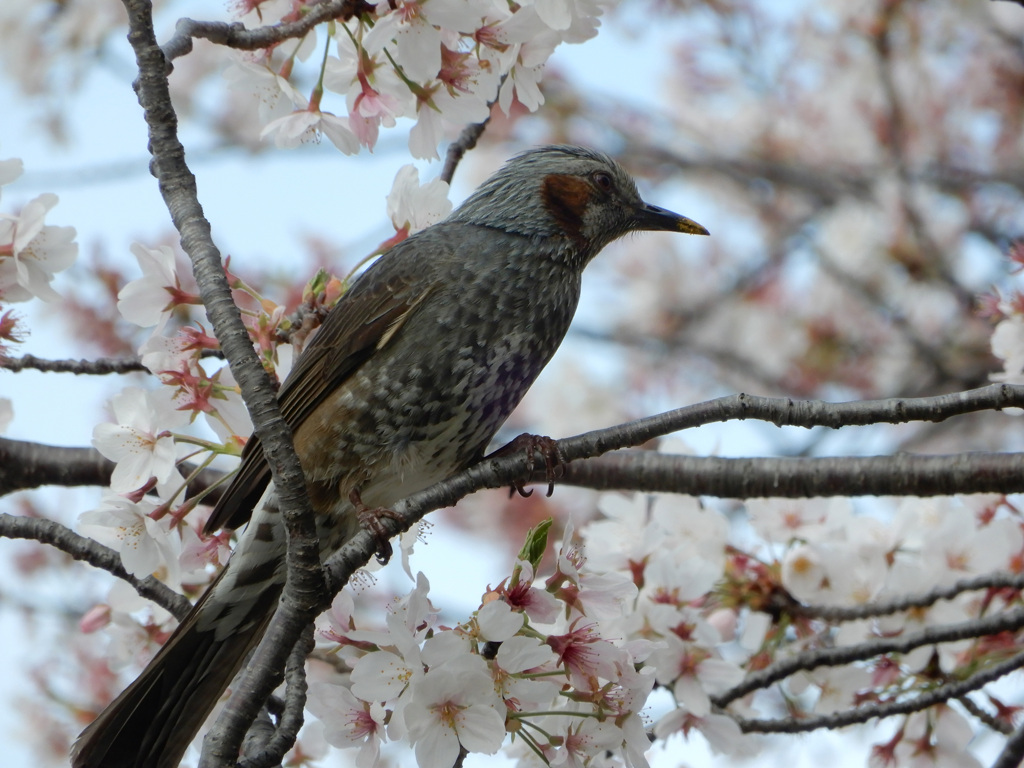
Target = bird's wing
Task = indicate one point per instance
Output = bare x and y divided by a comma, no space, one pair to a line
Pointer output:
367,316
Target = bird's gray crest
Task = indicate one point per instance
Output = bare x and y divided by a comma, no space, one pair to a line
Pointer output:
509,200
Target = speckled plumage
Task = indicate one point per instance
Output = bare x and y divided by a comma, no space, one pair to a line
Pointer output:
407,382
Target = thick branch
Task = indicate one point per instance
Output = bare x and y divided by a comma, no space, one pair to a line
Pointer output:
25,465
28,465
283,738
178,187
899,475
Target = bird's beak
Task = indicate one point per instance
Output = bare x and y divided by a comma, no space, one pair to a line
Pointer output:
651,218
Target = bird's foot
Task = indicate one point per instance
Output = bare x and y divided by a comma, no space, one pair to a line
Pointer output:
554,461
369,518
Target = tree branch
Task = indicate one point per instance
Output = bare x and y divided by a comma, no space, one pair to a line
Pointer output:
95,554
28,465
466,141
304,584
25,465
999,580
930,698
999,726
238,37
101,367
1013,751
794,478
832,657
291,718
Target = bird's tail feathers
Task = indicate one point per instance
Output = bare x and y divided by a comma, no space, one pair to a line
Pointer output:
153,721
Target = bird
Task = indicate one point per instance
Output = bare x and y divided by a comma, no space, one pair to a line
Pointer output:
406,382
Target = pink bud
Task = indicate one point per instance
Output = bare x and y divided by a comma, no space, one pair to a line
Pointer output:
724,620
95,618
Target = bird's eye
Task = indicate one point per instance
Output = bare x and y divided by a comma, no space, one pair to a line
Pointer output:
603,180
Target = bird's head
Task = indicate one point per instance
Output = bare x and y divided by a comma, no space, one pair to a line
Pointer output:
578,195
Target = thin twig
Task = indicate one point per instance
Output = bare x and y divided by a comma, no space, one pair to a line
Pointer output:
1000,580
1013,751
466,141
238,37
101,367
975,710
833,657
862,714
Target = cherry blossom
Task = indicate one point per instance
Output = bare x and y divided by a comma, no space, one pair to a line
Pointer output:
584,740
413,206
694,674
1008,345
306,125
147,546
518,655
520,593
348,721
149,300
140,442
586,656
386,675
497,622
722,732
32,252
451,707
275,94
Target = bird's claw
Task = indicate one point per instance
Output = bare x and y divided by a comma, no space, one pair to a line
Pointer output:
369,518
554,461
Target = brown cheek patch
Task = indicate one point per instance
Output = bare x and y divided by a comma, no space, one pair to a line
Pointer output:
567,198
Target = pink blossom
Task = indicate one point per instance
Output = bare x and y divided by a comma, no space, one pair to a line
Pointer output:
150,299
587,657
306,125
31,252
146,546
140,442
452,707
348,721
413,206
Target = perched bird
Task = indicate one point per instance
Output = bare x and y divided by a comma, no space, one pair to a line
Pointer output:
404,384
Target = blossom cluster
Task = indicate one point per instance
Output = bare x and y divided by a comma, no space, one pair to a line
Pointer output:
656,593
440,63
533,661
